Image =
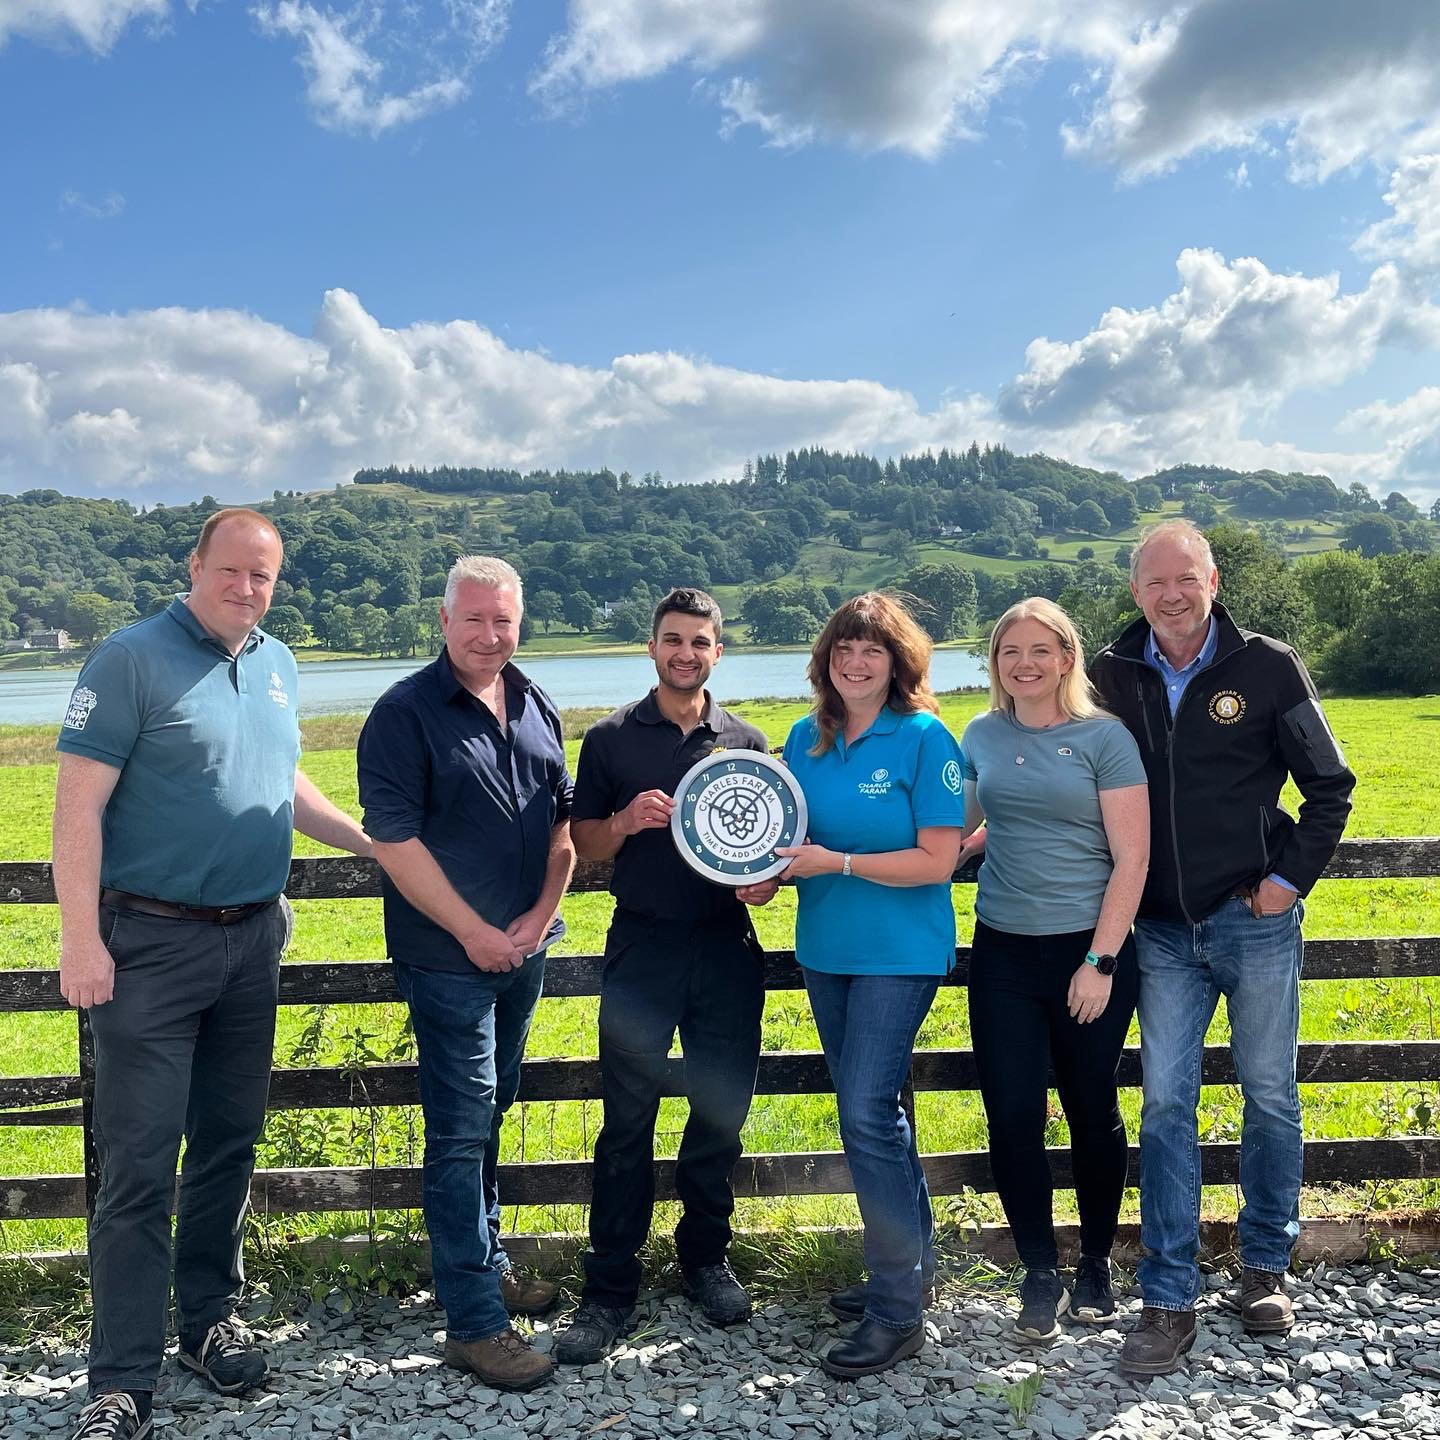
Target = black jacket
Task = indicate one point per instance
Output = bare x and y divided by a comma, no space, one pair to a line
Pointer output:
1245,722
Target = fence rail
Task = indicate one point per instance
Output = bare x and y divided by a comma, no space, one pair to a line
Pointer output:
66,1099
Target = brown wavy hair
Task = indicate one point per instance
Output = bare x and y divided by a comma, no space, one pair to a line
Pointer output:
872,616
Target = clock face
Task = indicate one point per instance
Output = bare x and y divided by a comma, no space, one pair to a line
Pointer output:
731,810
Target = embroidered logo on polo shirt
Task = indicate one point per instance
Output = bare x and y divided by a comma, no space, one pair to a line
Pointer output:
1226,707
277,689
952,777
82,702
878,784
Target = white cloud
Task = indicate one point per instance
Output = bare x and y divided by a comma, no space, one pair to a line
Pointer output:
1411,235
1409,436
168,402
97,24
107,207
348,55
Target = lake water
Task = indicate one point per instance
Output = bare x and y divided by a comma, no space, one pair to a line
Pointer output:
337,687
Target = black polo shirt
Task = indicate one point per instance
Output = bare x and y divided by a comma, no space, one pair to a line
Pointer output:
635,749
434,764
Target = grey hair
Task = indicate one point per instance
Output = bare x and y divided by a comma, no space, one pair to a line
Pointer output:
482,570
1182,532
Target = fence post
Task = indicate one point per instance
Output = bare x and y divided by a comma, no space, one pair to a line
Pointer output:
87,1110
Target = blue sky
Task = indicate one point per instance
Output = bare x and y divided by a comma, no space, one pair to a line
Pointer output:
258,245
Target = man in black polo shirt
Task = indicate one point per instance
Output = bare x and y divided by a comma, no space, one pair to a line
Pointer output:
463,780
681,953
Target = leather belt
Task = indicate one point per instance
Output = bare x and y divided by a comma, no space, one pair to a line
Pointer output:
212,914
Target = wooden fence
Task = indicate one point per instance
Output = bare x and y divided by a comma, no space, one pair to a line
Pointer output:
66,1099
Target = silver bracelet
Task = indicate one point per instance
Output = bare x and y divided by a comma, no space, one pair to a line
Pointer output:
845,865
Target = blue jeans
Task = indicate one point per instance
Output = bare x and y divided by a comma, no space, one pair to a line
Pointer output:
470,1030
867,1026
1184,969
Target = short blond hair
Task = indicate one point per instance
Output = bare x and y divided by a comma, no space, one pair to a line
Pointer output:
1077,697
238,514
488,570
1183,532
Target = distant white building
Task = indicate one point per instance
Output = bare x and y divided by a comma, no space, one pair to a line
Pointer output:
10,646
50,640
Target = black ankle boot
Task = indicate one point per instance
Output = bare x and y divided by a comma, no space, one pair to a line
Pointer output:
872,1347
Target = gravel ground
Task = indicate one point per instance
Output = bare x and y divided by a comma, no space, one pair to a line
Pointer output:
1363,1360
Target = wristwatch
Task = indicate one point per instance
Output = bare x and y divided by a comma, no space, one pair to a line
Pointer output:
1105,964
845,865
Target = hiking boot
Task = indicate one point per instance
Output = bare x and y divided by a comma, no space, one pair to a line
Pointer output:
591,1332
872,1347
226,1355
526,1294
1092,1301
1265,1308
849,1304
1159,1342
506,1361
113,1416
1043,1299
720,1296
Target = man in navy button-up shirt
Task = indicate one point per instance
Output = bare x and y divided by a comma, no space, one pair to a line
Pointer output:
462,776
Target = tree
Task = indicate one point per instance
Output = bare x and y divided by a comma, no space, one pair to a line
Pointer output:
898,546
1200,508
1338,584
630,620
1260,591
1372,534
1148,495
287,624
89,616
1085,552
579,611
1089,518
545,606
947,597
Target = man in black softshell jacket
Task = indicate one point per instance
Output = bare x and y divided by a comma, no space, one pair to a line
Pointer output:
1223,717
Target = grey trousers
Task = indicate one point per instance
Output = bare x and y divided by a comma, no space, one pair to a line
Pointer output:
183,1049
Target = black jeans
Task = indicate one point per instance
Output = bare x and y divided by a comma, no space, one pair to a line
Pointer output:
706,981
1020,1027
183,1048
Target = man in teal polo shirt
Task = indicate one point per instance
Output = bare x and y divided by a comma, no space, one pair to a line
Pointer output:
174,807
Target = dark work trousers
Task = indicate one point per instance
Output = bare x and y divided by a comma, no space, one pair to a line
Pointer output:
1020,1027
705,980
184,1048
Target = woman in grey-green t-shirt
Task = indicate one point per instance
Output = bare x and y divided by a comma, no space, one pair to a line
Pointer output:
1061,790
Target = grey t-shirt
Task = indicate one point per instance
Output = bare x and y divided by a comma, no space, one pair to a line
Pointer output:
1047,861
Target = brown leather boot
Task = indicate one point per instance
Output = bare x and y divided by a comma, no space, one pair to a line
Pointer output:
504,1362
526,1294
1158,1343
1265,1308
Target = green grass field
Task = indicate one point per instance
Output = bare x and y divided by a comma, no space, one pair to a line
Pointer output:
1389,742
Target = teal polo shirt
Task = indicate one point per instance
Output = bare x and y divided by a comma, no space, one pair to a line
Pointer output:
206,745
873,795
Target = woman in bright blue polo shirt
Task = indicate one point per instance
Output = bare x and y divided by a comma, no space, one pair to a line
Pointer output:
875,934
1053,979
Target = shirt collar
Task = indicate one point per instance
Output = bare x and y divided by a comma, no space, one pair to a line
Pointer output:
648,711
1156,656
452,687
189,622
885,723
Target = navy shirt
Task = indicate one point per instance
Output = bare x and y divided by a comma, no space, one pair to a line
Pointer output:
637,748
435,765
206,744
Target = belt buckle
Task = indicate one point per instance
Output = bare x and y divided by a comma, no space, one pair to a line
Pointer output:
230,914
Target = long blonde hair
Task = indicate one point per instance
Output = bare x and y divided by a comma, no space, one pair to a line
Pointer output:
1077,696
882,618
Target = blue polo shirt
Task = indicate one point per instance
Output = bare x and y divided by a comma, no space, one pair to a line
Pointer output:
873,795
206,745
435,765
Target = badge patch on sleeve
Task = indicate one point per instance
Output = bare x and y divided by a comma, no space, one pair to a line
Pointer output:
1226,707
952,777
82,702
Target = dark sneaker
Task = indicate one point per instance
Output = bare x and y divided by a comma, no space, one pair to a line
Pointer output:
870,1348
720,1296
1043,1299
506,1361
1265,1308
113,1416
591,1333
226,1355
849,1304
526,1294
1092,1301
1159,1342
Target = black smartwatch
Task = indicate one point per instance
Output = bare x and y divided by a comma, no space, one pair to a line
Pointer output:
1105,964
